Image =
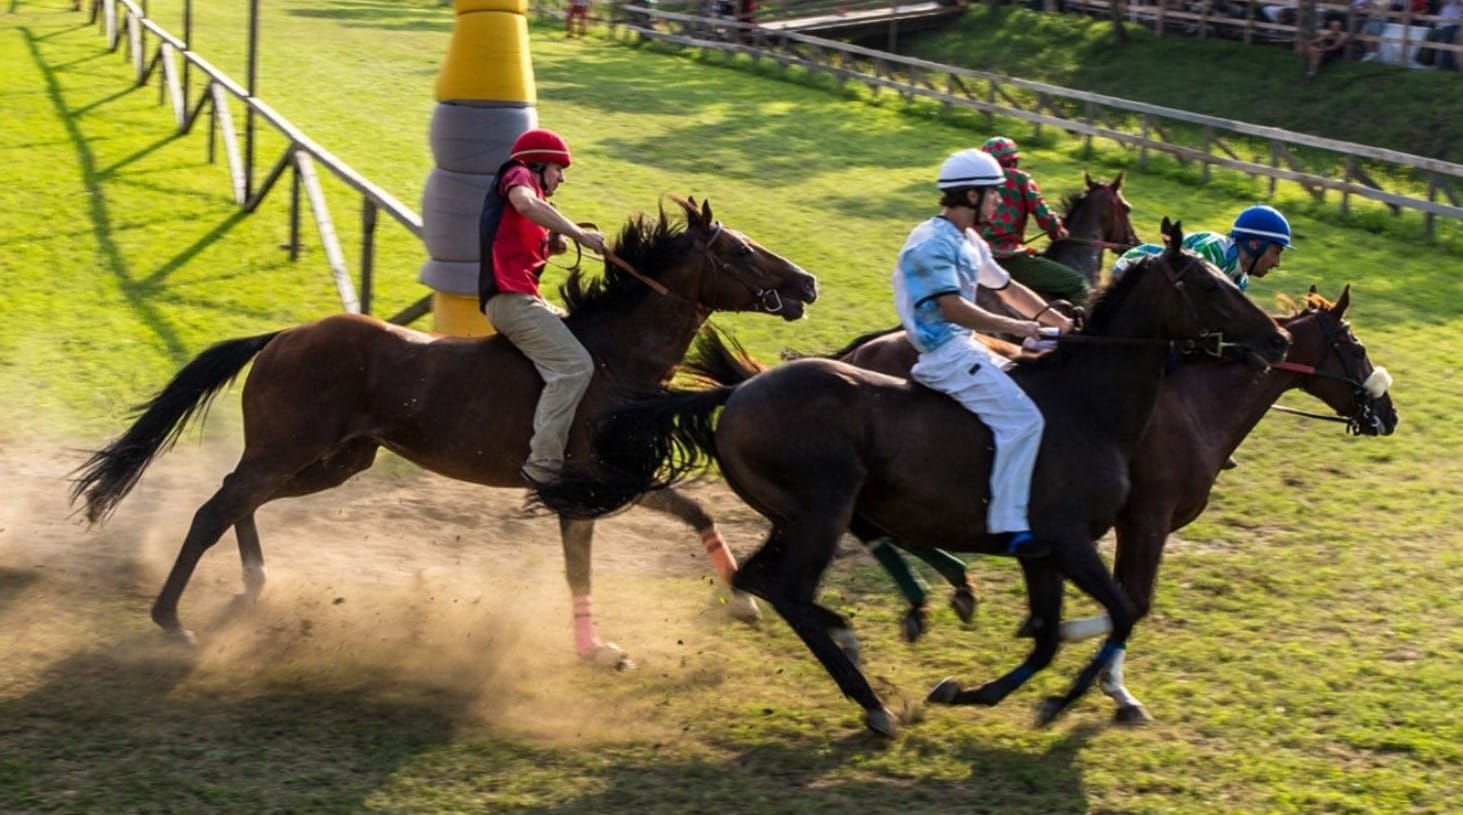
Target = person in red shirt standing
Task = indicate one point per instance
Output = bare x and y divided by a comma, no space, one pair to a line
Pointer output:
520,249
1006,230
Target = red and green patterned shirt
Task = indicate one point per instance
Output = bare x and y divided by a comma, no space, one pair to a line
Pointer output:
1019,198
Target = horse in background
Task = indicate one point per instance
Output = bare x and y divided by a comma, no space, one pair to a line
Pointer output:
1097,217
816,445
323,397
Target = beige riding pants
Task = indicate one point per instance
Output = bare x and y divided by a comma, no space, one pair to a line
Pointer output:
536,328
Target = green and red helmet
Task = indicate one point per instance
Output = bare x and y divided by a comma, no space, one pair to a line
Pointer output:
1003,149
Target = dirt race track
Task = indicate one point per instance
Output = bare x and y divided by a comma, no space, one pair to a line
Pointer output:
399,577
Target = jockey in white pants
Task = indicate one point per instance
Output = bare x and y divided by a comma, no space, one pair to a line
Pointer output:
942,262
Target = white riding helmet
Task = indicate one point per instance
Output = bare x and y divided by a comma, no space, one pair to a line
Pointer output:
970,168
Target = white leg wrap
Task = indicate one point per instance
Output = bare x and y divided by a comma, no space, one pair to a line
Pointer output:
1085,628
1111,681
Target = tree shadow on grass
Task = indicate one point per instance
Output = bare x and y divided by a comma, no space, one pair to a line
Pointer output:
387,14
138,292
110,730
802,775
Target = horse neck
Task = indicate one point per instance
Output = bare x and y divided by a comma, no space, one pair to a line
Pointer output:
1228,398
640,345
1113,386
1079,251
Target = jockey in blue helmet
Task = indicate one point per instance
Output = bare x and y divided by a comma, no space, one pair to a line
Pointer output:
1251,249
1260,233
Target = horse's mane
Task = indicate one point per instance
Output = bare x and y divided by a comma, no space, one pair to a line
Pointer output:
1071,202
649,245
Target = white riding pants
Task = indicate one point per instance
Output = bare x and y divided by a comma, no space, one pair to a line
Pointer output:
964,370
536,328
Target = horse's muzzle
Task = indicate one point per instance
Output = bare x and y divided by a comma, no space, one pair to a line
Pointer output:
800,289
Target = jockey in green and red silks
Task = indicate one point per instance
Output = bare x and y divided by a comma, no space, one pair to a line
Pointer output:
1020,199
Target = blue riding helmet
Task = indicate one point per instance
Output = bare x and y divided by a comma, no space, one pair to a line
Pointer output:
1264,224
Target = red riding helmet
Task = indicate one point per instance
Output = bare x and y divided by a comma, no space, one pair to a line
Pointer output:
1003,149
539,146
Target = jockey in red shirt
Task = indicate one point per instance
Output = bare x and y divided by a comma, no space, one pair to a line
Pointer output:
1006,230
525,238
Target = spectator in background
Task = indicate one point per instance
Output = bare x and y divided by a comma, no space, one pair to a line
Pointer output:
1325,47
576,20
1373,16
1452,12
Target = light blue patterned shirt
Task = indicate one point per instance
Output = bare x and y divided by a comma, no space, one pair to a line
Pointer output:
937,259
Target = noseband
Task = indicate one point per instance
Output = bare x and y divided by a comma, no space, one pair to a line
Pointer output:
1366,393
768,300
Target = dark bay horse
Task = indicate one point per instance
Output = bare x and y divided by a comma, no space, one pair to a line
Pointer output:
1205,410
1097,218
323,397
816,445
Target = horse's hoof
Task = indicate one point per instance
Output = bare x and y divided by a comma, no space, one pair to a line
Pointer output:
848,643
965,601
743,607
915,623
609,655
945,692
1132,714
1049,709
181,636
881,721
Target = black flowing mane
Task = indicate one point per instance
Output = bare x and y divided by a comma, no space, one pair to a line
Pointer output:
649,245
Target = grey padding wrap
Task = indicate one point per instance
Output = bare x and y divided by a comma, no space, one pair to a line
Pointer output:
459,278
452,203
476,139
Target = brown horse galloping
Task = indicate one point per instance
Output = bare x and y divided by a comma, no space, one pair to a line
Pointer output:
323,397
1205,410
816,445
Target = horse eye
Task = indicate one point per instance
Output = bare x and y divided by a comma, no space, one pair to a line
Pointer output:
1209,283
1359,351
743,250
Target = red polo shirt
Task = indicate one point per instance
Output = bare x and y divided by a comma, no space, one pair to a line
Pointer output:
521,247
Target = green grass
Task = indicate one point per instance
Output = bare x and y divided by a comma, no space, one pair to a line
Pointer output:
1302,657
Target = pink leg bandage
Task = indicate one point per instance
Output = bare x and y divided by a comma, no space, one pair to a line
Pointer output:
585,642
721,557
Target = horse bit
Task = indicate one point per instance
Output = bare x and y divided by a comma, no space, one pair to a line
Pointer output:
1366,393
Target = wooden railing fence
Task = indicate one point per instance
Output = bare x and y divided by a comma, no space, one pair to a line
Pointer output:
1317,164
301,156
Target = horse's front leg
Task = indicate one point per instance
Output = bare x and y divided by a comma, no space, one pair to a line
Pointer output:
1044,601
577,536
1084,567
673,502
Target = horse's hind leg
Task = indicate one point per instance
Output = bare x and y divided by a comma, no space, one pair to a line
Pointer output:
673,502
242,492
329,471
785,572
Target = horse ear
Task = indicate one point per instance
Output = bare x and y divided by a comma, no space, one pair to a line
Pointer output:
1117,183
1174,232
1342,302
1087,178
706,211
689,205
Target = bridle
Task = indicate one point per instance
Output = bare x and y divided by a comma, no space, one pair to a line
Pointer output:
1115,202
767,299
1208,343
1366,393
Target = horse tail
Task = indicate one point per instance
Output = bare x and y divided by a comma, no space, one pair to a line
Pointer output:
106,478
788,355
718,359
649,444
